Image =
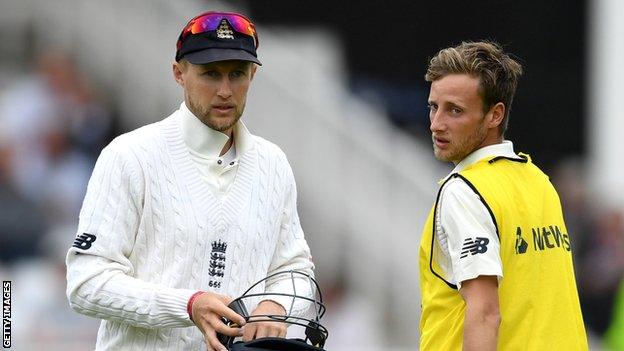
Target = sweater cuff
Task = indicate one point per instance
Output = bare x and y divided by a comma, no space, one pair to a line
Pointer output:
173,302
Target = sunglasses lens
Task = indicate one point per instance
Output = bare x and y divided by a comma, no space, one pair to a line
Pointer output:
203,24
211,21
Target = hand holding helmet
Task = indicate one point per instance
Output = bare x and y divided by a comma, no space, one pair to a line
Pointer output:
274,319
207,310
266,328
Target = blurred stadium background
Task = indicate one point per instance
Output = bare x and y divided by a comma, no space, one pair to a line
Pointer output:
342,91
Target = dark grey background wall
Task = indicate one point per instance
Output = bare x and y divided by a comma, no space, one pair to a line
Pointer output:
388,44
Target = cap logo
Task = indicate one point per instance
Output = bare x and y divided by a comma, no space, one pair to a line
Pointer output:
225,31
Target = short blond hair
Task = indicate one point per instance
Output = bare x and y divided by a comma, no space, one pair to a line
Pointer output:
498,73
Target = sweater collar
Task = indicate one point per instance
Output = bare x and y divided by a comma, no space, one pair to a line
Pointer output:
208,142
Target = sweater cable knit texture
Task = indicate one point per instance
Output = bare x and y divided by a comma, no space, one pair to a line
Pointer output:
155,220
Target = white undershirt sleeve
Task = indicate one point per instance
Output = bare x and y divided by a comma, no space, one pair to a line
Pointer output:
473,243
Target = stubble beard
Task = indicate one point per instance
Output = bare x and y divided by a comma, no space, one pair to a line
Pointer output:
462,148
220,124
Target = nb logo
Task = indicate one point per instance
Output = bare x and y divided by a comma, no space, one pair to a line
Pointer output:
84,241
474,246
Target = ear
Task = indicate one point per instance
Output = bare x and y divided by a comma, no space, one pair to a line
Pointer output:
497,113
177,73
254,68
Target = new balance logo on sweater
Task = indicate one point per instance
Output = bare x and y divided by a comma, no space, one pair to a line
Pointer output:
84,241
474,246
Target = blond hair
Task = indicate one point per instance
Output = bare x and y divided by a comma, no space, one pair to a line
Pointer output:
497,72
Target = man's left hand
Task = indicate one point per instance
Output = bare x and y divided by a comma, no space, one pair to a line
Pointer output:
255,330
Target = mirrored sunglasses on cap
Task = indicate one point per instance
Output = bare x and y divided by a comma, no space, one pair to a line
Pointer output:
210,21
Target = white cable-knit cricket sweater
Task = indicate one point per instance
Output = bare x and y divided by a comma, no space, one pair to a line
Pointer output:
151,233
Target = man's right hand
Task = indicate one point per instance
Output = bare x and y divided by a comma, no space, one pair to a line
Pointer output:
208,308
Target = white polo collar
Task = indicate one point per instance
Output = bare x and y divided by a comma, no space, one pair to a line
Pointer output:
504,149
208,142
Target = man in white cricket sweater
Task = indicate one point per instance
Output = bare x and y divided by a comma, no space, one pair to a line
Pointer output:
182,215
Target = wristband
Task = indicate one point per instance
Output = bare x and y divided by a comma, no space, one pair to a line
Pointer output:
189,304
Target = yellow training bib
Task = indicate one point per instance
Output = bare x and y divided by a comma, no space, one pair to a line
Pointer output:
539,302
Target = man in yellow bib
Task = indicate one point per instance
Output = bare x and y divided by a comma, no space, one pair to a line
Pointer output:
495,259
